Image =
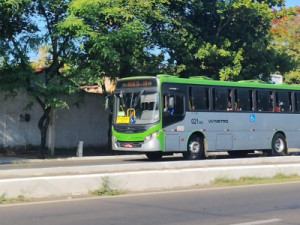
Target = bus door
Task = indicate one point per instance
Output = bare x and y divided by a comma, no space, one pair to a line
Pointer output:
173,115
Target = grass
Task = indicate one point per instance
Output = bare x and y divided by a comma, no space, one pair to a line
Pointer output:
279,178
4,199
106,189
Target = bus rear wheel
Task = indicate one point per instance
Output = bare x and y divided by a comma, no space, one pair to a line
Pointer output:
154,156
195,148
279,145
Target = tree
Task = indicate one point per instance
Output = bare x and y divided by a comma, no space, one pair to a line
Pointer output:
19,35
225,40
285,31
113,37
13,50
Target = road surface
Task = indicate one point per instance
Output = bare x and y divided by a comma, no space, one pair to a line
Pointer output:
8,163
266,204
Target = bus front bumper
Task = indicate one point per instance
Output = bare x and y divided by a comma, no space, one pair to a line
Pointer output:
152,145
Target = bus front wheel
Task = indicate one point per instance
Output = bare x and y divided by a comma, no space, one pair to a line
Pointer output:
195,148
279,145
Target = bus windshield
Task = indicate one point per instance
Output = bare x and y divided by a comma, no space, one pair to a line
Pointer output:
136,107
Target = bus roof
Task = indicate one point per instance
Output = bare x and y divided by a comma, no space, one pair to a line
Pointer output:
208,81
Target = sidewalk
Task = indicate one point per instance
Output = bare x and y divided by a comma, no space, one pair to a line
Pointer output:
18,158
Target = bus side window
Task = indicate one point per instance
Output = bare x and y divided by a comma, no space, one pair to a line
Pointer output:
243,99
297,101
290,101
221,99
173,104
283,102
198,98
263,101
251,100
173,111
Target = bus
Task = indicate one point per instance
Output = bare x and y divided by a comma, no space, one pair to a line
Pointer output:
165,115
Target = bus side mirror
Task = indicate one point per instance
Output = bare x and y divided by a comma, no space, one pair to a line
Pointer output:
108,107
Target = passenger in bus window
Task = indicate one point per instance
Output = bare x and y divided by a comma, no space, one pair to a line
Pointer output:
166,103
229,104
236,108
271,102
280,108
171,105
191,105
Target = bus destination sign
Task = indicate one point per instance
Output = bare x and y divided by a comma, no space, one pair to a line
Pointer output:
137,83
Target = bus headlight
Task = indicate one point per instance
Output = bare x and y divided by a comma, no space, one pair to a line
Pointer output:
151,136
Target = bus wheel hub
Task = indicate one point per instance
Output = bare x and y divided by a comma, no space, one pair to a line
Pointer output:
194,147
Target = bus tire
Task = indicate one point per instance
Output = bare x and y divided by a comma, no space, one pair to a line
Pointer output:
154,156
279,145
195,148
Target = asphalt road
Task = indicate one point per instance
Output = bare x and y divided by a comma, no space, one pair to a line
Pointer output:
266,204
8,163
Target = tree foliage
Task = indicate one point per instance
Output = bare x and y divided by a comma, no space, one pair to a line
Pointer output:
225,40
286,32
113,37
15,70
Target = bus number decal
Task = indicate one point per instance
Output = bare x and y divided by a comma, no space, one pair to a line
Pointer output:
196,121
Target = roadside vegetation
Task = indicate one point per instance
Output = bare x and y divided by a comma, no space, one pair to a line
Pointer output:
278,178
106,189
4,199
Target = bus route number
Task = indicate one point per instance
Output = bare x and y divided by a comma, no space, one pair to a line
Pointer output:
196,121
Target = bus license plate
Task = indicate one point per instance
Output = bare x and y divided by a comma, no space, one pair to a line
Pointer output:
128,145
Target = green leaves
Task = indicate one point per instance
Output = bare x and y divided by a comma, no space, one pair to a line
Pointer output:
227,40
286,41
114,35
230,39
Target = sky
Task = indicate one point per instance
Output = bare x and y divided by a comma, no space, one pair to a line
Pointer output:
289,3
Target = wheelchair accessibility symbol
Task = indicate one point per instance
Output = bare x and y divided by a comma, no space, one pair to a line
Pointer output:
252,118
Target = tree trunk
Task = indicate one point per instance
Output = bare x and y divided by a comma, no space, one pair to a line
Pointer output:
43,125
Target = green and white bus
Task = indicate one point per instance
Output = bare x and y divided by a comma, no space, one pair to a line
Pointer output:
165,114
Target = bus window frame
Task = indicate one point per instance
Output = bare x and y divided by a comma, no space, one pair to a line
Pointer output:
188,96
214,98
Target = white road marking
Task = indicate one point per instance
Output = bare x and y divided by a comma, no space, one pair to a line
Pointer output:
259,222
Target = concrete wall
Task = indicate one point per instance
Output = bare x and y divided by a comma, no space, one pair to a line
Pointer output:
86,121
14,131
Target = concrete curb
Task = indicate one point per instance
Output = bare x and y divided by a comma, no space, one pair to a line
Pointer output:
142,177
143,166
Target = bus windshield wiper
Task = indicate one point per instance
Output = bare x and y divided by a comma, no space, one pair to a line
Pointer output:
137,99
122,99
